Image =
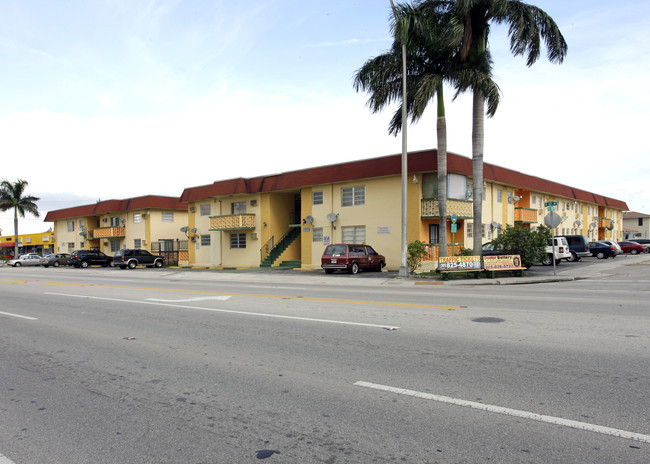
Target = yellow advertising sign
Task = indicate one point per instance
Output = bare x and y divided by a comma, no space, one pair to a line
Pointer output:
501,263
461,263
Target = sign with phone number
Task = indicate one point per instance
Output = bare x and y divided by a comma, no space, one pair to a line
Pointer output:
460,263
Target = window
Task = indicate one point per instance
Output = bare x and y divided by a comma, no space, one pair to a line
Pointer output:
470,230
353,234
499,193
206,209
456,187
353,196
317,198
137,218
238,207
71,246
205,239
167,217
534,200
137,243
430,185
317,234
115,222
237,240
70,226
509,197
115,245
434,233
640,221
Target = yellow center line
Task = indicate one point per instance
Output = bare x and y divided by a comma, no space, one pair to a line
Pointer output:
249,295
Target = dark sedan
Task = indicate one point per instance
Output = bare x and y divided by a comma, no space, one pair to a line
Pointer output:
602,250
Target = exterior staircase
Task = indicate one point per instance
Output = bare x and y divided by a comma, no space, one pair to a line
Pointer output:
281,247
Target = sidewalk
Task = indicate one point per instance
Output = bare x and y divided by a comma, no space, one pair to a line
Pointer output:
584,269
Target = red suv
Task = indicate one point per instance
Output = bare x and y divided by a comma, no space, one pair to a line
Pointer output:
351,258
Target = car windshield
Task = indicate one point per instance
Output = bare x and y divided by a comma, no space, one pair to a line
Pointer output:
335,250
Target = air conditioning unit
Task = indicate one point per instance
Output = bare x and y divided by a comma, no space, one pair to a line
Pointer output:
253,202
105,220
254,236
192,209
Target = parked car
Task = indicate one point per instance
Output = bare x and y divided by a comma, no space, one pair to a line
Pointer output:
29,259
492,249
351,258
561,251
602,250
614,244
56,259
642,241
632,247
85,258
578,246
133,258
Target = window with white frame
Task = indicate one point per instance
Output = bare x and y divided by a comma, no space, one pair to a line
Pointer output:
353,234
237,240
456,187
317,198
205,240
317,234
353,196
137,243
115,245
509,197
499,194
115,222
71,246
238,207
470,230
70,226
206,209
137,218
167,217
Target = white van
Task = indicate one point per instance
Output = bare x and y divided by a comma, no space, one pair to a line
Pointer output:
562,251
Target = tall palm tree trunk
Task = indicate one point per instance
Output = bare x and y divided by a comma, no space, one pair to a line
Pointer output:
478,116
441,131
15,232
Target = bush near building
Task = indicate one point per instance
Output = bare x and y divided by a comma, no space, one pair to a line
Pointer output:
529,244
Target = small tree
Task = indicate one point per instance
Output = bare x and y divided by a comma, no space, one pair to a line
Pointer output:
529,245
415,251
12,196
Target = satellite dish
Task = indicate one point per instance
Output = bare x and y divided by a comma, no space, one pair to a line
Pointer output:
578,222
194,229
495,224
309,219
517,197
593,225
331,217
185,229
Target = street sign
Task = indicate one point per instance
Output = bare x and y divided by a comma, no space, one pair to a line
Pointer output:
454,218
552,220
550,203
454,228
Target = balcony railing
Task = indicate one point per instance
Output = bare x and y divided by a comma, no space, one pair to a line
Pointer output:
461,208
107,232
232,222
605,223
525,215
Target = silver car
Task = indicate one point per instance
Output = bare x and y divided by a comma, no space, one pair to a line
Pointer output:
30,259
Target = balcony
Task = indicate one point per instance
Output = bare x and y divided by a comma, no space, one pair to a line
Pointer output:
461,208
525,214
233,222
604,223
107,232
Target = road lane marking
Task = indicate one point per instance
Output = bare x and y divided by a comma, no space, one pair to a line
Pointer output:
511,412
198,298
244,313
248,295
29,318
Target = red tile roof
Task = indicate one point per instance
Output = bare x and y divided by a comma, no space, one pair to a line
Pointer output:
421,161
115,206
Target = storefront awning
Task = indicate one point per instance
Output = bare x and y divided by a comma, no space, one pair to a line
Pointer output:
7,244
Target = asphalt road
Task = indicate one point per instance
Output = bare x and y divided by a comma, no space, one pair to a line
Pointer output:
177,366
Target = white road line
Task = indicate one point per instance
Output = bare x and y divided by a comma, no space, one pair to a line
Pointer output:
198,298
511,412
22,317
244,313
5,460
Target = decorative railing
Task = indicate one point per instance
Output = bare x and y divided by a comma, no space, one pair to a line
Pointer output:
232,222
605,223
433,251
461,208
525,214
107,232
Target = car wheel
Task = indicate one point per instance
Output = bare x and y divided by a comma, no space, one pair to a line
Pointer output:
329,271
547,260
600,255
84,264
354,269
634,252
132,264
574,257
158,263
380,266
55,264
17,265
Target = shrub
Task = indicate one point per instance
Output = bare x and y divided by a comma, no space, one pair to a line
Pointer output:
529,245
415,251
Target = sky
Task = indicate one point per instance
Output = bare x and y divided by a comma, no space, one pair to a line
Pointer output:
111,99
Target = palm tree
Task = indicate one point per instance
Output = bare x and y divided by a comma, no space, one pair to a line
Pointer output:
528,25
432,60
13,196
